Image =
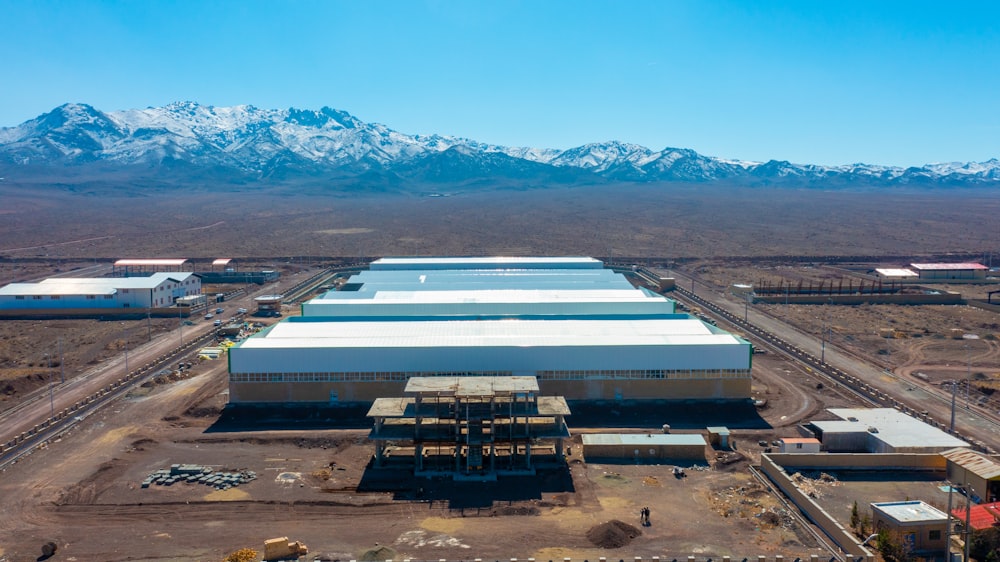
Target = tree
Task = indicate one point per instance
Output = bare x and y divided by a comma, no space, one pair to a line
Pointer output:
985,545
855,517
890,548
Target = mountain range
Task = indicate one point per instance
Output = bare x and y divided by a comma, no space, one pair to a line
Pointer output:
187,143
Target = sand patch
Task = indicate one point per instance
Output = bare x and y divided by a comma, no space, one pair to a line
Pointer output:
230,495
442,525
616,503
113,436
346,231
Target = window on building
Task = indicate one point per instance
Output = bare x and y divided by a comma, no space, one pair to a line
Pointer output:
798,445
934,535
37,297
19,297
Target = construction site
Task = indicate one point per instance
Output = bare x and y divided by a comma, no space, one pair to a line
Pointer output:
485,462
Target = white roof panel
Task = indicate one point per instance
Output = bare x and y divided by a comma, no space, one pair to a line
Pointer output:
489,333
496,262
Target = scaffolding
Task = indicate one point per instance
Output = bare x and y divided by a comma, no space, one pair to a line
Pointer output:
471,427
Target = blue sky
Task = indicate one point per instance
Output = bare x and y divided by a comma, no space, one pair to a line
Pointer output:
901,83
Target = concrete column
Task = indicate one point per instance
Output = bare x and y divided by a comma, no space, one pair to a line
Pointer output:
379,446
418,456
559,448
527,454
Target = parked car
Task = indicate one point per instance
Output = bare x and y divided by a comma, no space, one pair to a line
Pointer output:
242,311
217,323
208,316
219,310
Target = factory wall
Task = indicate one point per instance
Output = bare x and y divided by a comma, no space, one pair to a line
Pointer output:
513,360
354,391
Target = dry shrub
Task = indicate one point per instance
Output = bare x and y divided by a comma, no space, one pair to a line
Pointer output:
242,555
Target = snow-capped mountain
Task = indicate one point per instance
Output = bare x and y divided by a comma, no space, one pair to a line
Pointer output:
270,145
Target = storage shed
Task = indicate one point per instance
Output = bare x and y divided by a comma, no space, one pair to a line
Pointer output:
979,471
644,446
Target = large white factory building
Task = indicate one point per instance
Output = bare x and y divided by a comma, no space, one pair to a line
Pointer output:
583,331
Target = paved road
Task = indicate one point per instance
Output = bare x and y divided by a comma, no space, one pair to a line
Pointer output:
61,396
974,422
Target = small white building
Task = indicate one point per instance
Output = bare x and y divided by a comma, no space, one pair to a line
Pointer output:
799,445
895,274
156,290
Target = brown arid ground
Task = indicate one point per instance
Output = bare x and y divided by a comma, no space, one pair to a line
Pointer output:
83,493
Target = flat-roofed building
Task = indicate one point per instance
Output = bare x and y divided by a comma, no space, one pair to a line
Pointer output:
644,447
880,430
944,271
584,333
921,528
799,445
895,274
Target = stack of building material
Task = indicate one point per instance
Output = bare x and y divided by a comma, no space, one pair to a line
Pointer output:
281,549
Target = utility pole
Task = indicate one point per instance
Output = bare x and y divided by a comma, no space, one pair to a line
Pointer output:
62,365
951,428
52,398
125,336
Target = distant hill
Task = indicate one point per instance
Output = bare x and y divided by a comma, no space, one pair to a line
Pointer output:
187,144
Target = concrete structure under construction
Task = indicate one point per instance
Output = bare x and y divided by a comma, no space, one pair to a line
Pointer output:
470,427
59,293
583,332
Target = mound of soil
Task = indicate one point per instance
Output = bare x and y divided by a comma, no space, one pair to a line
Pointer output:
612,534
378,554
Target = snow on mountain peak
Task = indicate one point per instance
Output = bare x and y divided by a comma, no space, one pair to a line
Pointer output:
255,140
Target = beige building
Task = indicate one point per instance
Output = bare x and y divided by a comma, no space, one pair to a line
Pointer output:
921,528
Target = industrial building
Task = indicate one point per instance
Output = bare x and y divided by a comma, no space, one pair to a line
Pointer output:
948,271
153,291
646,447
583,332
979,472
471,427
879,430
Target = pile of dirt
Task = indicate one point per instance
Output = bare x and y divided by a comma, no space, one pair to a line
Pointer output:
612,534
378,554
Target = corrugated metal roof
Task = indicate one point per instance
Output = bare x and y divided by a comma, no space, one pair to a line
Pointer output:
982,516
948,266
221,261
37,289
151,262
803,440
504,333
975,462
92,285
890,272
638,439
502,262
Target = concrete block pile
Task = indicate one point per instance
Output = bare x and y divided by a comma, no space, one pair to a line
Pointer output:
198,474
